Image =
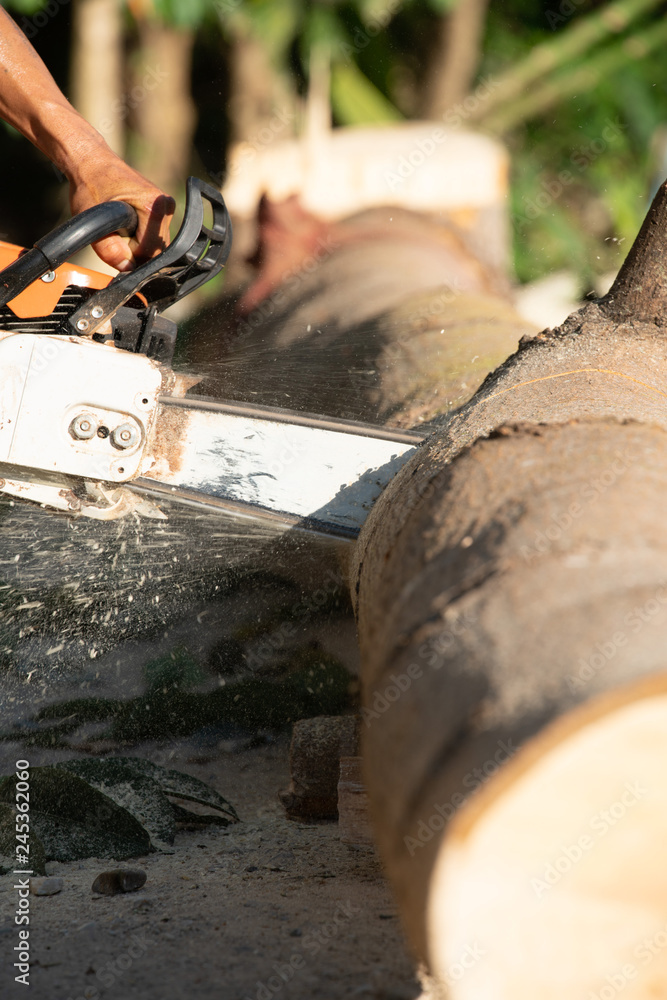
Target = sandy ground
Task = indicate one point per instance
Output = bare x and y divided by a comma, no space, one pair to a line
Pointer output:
266,908
262,909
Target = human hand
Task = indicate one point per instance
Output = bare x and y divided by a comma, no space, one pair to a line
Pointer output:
31,101
107,178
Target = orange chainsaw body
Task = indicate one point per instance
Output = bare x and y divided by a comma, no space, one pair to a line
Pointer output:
41,297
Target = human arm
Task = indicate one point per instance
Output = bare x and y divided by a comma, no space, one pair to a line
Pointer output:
31,101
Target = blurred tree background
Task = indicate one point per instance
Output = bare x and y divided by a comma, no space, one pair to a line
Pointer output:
575,88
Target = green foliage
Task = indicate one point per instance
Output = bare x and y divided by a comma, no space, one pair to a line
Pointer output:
117,808
444,6
357,101
602,136
374,10
322,30
74,820
25,6
313,683
274,24
379,50
185,13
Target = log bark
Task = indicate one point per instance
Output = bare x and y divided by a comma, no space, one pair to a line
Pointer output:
511,603
388,316
510,591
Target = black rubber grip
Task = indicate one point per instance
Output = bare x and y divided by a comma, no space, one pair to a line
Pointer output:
58,246
86,228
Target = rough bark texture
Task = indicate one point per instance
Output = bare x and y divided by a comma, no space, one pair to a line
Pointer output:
639,293
529,529
388,316
525,534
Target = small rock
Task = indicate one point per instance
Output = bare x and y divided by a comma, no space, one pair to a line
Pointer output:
47,886
119,880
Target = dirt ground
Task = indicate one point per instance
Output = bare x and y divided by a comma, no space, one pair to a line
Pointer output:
265,908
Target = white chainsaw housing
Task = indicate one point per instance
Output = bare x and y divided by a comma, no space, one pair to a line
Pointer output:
49,383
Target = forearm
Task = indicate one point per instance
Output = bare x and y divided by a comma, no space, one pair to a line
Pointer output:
31,101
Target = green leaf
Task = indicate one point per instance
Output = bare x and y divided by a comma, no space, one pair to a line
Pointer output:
113,808
274,24
177,669
25,6
185,13
379,11
142,787
314,684
74,820
357,101
443,6
184,786
132,790
322,30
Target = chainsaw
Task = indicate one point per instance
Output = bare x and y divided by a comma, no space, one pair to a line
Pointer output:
95,422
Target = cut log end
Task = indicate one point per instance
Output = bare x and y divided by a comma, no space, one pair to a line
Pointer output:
550,883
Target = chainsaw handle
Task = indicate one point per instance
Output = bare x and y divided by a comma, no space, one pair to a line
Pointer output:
87,227
56,247
195,255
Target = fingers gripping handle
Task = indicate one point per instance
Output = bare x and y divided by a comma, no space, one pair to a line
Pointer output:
58,246
195,255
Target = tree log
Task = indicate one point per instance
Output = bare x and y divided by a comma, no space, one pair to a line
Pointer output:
388,316
511,595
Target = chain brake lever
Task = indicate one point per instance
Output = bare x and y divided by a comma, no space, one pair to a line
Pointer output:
196,255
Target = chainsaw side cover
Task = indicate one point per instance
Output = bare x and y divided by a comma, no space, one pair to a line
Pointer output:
70,407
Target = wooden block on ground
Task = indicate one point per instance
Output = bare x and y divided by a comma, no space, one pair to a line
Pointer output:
315,752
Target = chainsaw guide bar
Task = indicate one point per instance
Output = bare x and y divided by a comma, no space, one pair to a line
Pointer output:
91,421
